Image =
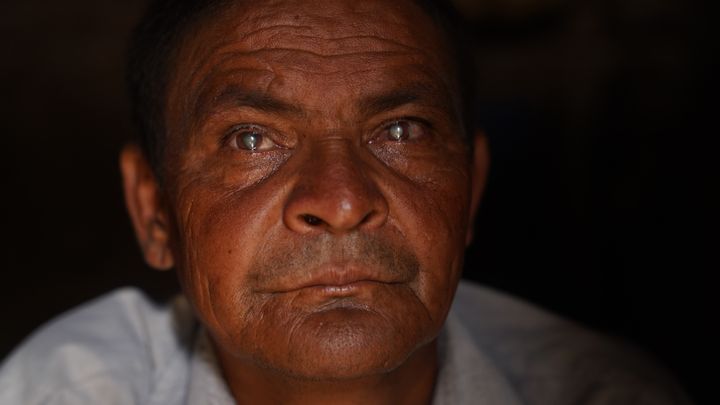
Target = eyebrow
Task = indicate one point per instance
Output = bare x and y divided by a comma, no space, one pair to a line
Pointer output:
235,96
238,97
407,94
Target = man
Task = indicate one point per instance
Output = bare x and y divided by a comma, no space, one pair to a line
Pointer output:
308,172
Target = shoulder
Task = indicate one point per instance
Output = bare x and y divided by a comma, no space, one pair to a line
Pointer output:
551,360
109,346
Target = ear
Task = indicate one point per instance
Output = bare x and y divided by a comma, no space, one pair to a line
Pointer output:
480,167
144,204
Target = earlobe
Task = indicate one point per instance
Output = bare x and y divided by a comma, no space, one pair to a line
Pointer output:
142,198
480,167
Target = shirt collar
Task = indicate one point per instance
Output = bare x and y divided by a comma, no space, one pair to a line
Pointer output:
206,385
466,375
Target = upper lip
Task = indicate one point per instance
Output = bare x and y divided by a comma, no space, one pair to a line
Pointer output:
332,275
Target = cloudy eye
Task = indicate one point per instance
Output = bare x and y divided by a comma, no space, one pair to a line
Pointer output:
405,130
250,138
398,131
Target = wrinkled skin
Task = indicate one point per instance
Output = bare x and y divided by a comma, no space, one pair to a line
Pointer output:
332,251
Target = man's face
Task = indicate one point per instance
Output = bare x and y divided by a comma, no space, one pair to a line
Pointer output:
318,184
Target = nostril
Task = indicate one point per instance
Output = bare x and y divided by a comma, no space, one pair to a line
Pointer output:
311,220
366,218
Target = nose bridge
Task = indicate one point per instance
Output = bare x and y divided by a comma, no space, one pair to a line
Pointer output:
334,190
334,164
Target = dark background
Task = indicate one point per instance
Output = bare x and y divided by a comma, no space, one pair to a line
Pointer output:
600,203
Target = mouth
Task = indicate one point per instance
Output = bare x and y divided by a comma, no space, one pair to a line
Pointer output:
336,280
339,291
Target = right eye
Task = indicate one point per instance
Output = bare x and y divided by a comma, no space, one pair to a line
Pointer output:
250,138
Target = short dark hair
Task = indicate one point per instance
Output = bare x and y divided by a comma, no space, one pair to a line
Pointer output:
157,38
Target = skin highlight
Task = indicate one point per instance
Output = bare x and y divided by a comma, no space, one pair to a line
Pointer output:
322,264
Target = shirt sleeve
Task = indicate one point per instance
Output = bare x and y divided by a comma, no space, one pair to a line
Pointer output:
104,352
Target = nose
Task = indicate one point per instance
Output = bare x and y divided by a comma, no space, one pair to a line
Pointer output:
334,193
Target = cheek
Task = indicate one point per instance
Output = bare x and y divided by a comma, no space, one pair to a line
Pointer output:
432,210
218,233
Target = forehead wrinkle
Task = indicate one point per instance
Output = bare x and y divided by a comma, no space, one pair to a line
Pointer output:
349,64
335,18
328,45
307,52
321,46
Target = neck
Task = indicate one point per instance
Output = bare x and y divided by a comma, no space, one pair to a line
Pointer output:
411,383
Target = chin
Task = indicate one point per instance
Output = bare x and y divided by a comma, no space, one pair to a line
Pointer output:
345,345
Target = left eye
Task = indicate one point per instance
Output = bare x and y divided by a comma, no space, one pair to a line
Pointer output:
400,131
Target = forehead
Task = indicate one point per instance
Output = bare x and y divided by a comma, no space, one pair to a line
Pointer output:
289,46
334,25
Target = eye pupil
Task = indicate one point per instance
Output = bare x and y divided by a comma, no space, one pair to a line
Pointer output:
397,132
250,140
